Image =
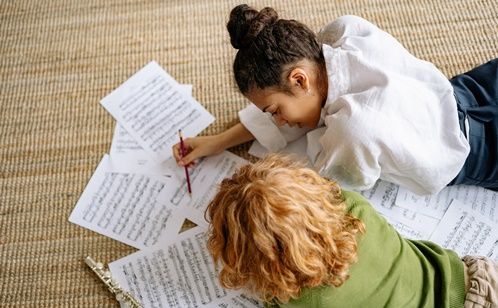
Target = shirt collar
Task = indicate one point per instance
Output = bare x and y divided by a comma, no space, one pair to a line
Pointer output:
336,63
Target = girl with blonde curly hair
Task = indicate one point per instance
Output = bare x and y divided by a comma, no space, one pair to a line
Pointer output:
294,239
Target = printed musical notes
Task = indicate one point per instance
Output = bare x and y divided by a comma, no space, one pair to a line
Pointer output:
151,107
176,273
131,208
137,195
128,156
484,200
208,174
466,231
408,222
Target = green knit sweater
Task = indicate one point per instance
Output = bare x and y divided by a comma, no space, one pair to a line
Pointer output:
391,271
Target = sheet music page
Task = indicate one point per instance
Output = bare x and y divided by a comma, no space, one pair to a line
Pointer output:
180,273
205,177
382,196
130,208
241,300
493,253
152,108
139,161
128,156
484,200
409,232
466,231
124,145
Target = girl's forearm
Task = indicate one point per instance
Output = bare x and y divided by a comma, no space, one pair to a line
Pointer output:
235,135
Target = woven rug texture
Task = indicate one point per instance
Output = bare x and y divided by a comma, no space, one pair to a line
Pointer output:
58,59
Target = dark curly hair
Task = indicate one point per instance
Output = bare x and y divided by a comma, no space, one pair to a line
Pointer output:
268,47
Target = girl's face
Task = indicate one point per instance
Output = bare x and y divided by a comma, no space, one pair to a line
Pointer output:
300,108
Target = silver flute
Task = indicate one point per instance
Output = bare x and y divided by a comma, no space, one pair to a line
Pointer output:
125,298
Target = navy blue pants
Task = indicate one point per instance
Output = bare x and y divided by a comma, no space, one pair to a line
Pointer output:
476,93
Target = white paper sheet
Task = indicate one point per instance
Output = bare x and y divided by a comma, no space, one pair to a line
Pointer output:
128,156
175,273
130,208
493,254
409,232
134,164
133,159
151,107
205,177
382,196
242,301
484,200
123,145
466,231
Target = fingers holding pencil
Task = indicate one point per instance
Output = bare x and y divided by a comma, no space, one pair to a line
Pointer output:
195,148
189,157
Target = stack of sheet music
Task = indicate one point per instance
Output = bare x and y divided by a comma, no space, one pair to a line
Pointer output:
138,195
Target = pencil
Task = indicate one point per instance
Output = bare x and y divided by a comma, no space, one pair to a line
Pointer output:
182,152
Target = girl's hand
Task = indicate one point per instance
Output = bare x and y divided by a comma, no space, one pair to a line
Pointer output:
198,147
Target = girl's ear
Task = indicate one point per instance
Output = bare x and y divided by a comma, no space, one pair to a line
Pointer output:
299,78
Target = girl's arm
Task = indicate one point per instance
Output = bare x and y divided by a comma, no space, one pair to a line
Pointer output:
197,147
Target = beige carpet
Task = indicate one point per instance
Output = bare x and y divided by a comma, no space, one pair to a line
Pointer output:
59,58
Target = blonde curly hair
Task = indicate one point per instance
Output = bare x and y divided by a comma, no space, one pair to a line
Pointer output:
279,227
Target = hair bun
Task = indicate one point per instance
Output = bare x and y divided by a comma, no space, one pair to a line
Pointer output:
246,23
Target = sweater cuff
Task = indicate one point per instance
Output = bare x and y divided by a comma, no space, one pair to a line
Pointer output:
262,128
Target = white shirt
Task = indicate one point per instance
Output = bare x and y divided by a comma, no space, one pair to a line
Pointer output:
388,115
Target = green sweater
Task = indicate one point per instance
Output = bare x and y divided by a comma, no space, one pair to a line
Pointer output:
391,271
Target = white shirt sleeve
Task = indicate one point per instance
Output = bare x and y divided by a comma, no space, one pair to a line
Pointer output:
390,115
348,25
354,33
363,143
265,130
348,154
